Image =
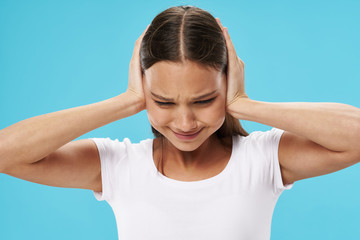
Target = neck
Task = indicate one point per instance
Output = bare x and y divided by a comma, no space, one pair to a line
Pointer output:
191,159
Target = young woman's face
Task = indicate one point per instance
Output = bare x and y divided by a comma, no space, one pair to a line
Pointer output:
185,102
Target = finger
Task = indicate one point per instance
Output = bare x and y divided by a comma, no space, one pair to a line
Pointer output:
142,35
241,61
138,43
218,21
230,46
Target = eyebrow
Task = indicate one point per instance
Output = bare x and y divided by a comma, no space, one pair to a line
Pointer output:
194,99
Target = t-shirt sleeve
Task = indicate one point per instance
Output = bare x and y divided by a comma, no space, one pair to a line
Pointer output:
112,153
273,137
263,148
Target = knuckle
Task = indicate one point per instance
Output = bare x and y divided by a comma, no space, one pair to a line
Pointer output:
241,62
138,41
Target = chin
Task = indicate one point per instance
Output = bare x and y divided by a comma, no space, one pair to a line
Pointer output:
186,147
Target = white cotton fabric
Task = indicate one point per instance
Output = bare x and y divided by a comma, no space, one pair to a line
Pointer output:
238,203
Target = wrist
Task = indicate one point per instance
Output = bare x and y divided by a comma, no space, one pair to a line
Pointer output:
130,102
241,107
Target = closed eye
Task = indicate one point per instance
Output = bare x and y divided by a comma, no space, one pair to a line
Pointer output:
164,103
197,102
206,101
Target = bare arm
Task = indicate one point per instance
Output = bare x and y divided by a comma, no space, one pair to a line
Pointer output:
319,138
39,150
74,165
33,139
335,126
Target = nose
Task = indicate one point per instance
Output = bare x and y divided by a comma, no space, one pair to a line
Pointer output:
185,120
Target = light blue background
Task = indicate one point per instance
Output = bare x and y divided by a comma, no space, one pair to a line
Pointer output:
56,55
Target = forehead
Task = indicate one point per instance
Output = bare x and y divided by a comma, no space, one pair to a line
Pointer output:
189,77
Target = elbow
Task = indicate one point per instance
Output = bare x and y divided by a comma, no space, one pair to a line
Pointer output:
354,155
2,160
357,158
350,158
4,157
356,147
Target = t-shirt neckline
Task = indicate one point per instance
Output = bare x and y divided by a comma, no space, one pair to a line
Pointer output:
196,183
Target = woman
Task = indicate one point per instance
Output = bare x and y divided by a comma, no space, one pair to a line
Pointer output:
203,176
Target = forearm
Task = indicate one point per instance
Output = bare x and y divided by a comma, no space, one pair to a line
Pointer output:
32,139
334,126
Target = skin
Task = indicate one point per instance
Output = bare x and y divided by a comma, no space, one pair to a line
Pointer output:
186,98
318,138
182,82
314,141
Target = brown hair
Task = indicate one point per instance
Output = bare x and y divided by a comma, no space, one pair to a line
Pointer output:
188,33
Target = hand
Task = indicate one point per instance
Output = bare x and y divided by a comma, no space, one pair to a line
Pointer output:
135,86
235,72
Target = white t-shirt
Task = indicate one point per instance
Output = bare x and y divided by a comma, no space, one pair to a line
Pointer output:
238,203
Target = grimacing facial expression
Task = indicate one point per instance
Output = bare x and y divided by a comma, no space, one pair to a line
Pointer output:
185,102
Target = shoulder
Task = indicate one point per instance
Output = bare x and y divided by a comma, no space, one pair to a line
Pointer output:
259,146
261,138
114,142
108,146
261,135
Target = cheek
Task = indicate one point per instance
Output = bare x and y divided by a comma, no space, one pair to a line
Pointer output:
157,116
214,115
154,115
